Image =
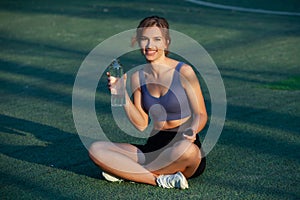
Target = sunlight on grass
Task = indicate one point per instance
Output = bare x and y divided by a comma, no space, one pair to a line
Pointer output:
292,83
280,5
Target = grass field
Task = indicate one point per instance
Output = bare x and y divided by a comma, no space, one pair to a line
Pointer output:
43,44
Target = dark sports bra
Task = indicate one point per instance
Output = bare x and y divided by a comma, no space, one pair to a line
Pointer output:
171,106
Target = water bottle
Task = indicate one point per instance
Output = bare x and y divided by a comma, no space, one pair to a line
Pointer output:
118,88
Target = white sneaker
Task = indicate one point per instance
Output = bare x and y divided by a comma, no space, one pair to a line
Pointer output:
111,178
172,181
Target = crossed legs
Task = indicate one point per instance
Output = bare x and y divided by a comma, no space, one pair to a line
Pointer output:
126,161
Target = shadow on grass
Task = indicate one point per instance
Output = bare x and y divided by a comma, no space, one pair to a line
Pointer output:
264,117
257,187
41,83
42,144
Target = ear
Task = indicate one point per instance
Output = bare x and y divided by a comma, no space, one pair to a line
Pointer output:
167,43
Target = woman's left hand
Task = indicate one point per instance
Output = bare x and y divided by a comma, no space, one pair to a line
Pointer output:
189,134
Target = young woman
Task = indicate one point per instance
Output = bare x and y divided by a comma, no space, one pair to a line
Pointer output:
168,92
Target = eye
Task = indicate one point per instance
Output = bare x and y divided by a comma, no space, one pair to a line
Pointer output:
157,39
143,38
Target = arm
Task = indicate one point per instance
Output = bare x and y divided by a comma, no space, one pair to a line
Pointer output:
134,109
192,87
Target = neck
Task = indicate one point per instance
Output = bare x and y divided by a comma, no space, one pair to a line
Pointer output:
158,67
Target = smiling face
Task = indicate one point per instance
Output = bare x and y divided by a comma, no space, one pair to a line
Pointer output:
153,44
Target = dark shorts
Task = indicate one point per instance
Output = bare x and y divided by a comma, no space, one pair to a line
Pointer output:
164,139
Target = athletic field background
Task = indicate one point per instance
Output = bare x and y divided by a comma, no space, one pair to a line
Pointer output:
43,44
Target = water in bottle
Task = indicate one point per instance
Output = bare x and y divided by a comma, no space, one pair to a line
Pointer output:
118,88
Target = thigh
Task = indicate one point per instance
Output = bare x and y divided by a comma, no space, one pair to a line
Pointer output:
125,149
131,151
182,156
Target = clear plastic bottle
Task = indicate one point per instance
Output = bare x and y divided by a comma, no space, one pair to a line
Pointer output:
118,89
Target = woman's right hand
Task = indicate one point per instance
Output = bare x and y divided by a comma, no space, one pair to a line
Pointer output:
113,83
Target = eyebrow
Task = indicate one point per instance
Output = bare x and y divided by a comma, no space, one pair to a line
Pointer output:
152,37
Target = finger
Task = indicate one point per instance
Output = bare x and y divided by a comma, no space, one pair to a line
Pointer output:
108,74
186,137
109,86
189,137
112,79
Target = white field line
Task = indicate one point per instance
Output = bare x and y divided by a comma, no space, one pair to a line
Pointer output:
214,5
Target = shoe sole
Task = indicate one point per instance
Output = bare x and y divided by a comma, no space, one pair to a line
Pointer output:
111,178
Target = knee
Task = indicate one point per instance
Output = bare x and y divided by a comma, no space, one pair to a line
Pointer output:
96,147
186,151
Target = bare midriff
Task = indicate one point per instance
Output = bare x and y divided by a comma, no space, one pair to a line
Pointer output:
171,124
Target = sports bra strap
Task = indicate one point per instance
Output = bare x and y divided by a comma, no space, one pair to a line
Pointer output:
142,78
178,66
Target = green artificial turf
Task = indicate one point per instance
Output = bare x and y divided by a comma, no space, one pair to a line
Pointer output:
274,5
43,44
292,83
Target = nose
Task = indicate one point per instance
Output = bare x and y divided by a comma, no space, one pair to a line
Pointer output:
149,44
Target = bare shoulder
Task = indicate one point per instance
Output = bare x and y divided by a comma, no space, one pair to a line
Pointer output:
135,81
187,71
135,76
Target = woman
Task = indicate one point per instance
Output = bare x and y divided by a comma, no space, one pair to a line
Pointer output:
168,92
